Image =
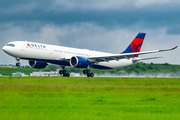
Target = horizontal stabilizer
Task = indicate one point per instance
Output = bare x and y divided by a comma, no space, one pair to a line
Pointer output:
139,59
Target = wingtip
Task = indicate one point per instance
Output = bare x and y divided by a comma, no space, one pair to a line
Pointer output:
174,48
168,49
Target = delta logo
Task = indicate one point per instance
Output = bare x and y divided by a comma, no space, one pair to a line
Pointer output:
35,45
28,44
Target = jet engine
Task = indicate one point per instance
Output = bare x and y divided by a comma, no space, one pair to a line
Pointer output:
79,62
37,64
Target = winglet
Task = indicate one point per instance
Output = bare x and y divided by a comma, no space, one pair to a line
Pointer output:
174,48
168,49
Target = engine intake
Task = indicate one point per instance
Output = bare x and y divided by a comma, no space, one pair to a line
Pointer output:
79,62
37,64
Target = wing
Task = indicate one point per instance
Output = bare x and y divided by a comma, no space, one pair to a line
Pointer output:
107,58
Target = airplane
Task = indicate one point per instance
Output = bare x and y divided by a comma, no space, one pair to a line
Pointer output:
39,55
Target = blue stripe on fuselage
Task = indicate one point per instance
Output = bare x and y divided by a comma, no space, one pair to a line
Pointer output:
58,62
61,62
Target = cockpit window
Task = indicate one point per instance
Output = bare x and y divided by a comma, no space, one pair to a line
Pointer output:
12,45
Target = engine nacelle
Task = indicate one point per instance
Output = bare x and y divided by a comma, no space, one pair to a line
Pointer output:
37,64
79,62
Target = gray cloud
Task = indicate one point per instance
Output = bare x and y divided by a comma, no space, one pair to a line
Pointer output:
151,19
21,6
106,25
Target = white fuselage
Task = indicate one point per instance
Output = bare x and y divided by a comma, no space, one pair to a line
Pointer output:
50,53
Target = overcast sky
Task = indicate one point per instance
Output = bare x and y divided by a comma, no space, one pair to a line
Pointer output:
102,25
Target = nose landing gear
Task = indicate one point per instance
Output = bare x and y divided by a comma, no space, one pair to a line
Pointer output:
18,63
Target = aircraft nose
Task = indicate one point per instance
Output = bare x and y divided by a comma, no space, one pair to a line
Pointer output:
9,50
4,48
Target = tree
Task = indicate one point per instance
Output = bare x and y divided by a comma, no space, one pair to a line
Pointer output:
137,66
150,67
143,69
129,69
166,64
52,67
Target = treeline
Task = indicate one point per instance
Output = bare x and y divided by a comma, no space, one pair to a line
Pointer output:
139,69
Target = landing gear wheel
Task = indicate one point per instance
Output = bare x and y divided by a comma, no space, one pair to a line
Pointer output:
60,72
88,75
18,64
67,75
91,74
85,71
64,72
64,75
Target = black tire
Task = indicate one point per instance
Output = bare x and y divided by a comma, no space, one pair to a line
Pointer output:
64,72
91,74
85,71
67,75
60,72
18,64
64,75
88,75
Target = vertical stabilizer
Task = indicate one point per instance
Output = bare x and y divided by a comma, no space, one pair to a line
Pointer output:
136,44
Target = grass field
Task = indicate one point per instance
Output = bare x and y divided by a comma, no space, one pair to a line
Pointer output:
89,98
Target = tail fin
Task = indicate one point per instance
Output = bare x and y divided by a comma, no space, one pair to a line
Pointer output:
136,44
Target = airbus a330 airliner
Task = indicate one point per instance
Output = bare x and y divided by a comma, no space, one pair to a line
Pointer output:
39,55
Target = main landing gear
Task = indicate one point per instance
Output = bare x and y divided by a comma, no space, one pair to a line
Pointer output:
89,74
18,63
63,71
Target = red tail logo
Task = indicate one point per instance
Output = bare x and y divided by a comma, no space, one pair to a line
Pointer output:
136,44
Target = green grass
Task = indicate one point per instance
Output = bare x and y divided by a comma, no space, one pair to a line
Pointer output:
89,98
